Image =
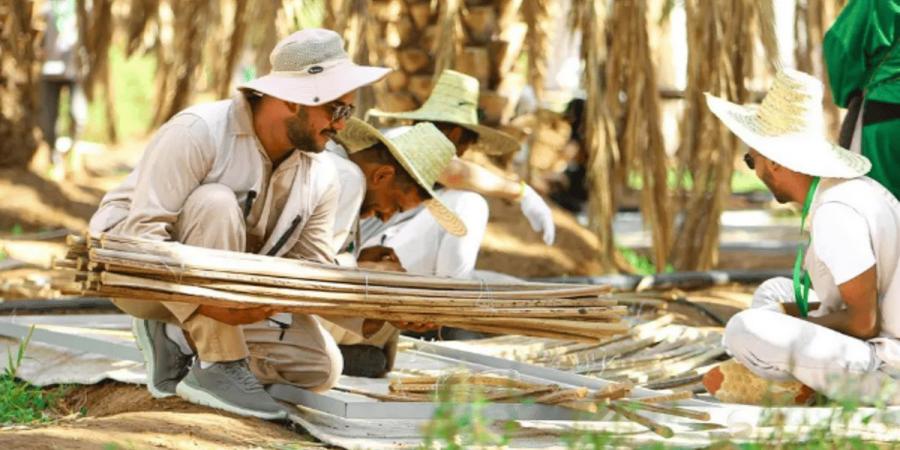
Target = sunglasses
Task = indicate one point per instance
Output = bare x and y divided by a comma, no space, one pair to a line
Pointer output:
340,111
749,161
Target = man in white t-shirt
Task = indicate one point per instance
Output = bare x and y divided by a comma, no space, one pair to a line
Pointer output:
836,326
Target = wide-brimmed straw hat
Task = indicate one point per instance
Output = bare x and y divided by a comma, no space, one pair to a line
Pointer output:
788,127
421,149
310,67
454,99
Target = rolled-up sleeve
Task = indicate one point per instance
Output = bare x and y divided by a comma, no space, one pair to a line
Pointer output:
175,162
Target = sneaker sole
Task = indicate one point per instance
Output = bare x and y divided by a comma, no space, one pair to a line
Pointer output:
143,342
201,397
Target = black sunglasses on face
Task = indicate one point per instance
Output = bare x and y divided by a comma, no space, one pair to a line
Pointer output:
341,111
749,161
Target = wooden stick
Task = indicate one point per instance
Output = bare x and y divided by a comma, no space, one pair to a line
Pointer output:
667,410
661,430
673,397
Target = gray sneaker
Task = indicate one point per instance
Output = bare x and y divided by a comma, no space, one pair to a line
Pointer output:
165,363
229,386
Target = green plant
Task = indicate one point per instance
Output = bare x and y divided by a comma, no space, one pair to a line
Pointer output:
459,421
20,402
642,264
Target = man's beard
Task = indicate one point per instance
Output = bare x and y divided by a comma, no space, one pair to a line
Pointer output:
300,135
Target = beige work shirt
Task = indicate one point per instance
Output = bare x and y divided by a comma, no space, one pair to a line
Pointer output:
216,143
289,210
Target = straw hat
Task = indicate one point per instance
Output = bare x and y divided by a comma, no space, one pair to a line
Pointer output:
454,99
788,127
421,149
310,67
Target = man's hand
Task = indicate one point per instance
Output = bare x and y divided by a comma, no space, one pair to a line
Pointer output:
236,316
416,327
538,214
379,258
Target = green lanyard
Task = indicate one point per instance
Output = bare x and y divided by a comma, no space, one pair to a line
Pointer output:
801,282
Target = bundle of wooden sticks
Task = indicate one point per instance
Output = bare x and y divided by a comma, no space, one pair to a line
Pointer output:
121,267
467,387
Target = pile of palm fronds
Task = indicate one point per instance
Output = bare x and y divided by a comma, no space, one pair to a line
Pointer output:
462,387
122,267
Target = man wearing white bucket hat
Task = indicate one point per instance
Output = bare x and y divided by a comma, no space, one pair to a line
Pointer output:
243,174
836,326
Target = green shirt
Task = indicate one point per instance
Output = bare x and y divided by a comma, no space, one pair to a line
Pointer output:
861,51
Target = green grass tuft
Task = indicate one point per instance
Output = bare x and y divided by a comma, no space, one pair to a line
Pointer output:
20,402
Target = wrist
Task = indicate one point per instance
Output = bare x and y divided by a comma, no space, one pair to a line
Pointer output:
521,188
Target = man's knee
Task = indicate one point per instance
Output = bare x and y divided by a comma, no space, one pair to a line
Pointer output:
739,331
328,367
212,218
214,200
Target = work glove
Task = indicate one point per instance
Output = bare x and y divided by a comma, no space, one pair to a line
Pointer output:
538,214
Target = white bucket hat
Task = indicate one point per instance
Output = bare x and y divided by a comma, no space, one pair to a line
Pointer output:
454,99
788,127
421,149
310,67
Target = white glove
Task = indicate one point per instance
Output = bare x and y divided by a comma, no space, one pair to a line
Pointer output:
538,214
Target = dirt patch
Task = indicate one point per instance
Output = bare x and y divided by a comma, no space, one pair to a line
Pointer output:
511,246
126,416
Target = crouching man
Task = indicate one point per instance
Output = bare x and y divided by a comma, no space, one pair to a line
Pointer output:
836,326
243,175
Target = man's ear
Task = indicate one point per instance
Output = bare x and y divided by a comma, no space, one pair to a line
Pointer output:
294,108
383,175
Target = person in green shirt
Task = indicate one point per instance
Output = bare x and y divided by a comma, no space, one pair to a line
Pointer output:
863,64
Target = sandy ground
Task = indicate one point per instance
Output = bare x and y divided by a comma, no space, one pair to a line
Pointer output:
126,417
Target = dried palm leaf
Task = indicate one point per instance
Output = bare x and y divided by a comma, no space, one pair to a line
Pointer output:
720,61
538,17
630,71
599,132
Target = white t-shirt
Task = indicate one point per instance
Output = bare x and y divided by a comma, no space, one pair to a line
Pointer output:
854,224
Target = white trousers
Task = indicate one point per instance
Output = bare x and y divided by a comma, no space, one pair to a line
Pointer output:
425,248
780,347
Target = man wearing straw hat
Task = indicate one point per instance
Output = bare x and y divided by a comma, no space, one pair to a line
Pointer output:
836,326
421,245
243,174
383,175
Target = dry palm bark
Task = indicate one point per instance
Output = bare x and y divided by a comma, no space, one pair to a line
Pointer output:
20,43
721,41
482,38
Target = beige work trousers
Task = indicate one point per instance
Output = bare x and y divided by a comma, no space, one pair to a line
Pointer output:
304,354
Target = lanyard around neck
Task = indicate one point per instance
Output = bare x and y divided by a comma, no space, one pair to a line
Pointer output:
801,281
